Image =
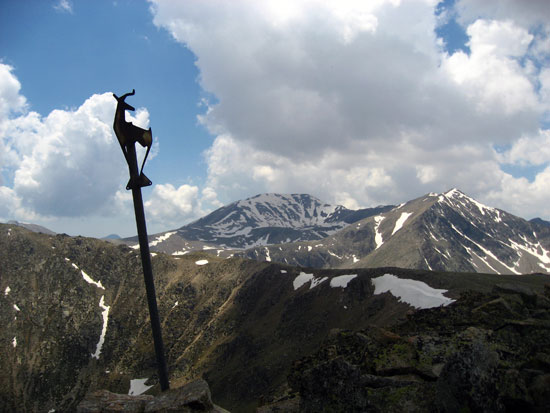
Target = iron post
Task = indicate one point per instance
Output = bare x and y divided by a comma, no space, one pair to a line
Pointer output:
127,135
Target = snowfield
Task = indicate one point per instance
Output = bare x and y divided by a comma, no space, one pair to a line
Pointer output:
138,386
337,282
412,292
304,278
342,281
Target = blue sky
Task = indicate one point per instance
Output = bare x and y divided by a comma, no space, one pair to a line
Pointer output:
357,103
62,57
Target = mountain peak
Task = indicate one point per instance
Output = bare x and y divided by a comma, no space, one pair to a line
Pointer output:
281,210
265,219
454,192
460,200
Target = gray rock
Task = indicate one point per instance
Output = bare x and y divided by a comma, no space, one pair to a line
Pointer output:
103,401
192,397
468,380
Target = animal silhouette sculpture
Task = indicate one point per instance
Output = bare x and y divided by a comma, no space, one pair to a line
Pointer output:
128,134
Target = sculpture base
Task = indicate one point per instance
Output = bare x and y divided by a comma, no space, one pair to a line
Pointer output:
140,182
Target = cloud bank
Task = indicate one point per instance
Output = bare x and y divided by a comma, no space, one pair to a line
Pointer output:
68,164
360,103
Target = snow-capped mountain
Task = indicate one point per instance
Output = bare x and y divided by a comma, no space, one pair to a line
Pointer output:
446,232
264,219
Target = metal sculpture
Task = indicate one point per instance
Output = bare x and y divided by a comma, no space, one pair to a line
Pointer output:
128,134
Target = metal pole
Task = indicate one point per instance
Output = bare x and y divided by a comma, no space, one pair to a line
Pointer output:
147,268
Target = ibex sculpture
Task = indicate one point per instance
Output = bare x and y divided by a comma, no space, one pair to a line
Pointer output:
128,134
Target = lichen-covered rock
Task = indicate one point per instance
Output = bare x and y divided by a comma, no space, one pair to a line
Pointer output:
486,353
468,379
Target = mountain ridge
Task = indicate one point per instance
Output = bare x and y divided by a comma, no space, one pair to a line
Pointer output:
446,232
263,219
450,231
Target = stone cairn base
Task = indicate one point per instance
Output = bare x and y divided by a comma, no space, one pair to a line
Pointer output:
192,397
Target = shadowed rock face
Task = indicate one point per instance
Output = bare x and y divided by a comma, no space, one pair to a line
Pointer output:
486,352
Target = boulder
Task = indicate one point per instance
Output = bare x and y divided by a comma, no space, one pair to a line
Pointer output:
192,397
103,401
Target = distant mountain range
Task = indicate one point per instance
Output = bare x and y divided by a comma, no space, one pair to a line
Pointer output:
32,227
264,219
445,232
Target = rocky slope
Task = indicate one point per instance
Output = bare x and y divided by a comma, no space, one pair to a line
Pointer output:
264,219
75,318
488,352
444,232
32,227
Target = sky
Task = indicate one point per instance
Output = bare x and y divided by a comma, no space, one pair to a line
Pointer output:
359,103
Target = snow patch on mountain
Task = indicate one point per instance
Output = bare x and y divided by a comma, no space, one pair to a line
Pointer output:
272,210
162,238
138,386
287,211
342,280
90,281
399,223
378,235
85,276
105,315
412,292
304,278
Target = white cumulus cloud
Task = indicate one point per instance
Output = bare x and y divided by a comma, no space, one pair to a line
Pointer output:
168,205
64,6
491,75
358,102
68,163
10,99
65,164
526,13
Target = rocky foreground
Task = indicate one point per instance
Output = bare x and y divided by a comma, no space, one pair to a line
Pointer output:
190,398
488,352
